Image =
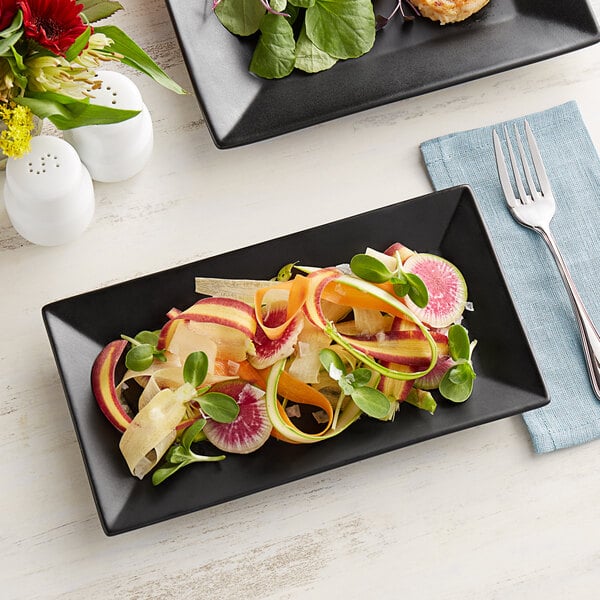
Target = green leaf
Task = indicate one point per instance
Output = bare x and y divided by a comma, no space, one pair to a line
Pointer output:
139,357
342,28
360,377
460,374
274,55
136,58
285,273
16,24
195,368
309,58
332,363
369,268
293,12
147,337
78,45
372,402
191,432
302,3
400,285
17,65
7,43
177,454
418,291
278,5
164,471
220,407
455,392
458,343
67,113
95,10
241,17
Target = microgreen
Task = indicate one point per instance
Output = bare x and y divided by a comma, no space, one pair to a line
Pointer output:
143,350
356,385
214,405
371,269
457,383
285,273
180,455
219,407
383,21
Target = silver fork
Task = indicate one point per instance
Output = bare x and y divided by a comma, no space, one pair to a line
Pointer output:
535,210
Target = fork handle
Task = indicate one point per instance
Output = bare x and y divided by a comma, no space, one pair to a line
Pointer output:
590,339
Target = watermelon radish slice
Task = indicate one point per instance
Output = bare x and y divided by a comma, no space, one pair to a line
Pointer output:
446,286
432,380
267,351
252,427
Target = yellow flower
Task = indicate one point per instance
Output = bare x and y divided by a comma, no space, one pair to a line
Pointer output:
18,123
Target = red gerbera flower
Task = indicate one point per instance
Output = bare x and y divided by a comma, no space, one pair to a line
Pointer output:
8,10
54,24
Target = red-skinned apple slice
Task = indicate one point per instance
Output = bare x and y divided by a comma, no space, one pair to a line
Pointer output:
103,384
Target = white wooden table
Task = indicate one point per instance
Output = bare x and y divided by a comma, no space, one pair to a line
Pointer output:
471,515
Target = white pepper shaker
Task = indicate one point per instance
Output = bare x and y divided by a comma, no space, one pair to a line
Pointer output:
48,193
116,151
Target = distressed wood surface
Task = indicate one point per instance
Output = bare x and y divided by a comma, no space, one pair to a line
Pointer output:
468,516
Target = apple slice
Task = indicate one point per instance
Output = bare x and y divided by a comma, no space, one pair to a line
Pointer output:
103,385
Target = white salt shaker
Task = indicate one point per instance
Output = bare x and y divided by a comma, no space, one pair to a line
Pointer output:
116,151
48,193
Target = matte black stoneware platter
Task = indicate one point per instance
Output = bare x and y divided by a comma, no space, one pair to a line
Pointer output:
447,223
407,59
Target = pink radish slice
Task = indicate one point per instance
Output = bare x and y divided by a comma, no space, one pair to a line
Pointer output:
446,286
252,427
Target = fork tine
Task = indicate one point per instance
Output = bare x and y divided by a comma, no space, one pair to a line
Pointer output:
515,168
503,172
540,171
535,195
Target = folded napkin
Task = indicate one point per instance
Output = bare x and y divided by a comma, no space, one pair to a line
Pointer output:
573,415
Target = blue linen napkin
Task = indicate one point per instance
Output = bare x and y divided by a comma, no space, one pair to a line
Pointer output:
573,415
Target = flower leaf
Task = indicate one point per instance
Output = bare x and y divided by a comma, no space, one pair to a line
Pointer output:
136,58
95,10
66,112
78,45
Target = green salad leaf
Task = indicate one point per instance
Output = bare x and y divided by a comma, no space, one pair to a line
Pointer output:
241,17
274,56
309,35
342,28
